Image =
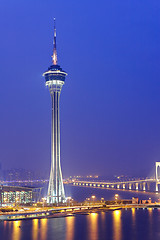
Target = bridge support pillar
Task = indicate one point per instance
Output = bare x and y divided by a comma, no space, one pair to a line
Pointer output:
130,186
144,186
118,186
124,186
148,186
157,165
136,186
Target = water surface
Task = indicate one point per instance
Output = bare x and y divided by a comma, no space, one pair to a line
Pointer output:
131,224
128,224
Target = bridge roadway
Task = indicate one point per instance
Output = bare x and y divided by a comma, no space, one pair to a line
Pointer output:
142,185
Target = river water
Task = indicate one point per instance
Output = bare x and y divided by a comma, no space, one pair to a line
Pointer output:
131,224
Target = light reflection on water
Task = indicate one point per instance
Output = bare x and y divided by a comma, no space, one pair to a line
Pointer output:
103,221
35,229
16,232
70,225
4,224
133,216
117,229
150,212
134,235
43,229
93,226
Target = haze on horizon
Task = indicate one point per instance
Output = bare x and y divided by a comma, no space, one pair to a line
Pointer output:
110,104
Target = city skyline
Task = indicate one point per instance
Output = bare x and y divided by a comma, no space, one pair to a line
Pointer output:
111,122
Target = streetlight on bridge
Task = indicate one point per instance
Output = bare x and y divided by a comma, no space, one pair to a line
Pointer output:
116,197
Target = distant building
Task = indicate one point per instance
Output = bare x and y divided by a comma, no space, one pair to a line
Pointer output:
20,174
18,195
135,200
149,201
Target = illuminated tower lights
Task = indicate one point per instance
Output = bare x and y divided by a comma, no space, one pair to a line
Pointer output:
55,78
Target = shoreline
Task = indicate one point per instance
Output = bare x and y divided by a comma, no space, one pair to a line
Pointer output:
68,212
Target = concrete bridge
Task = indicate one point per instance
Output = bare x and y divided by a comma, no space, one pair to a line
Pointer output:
137,185
126,185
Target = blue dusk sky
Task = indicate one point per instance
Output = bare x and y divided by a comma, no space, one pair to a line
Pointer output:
110,103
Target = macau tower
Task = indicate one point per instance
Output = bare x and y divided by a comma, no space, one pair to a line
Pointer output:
54,80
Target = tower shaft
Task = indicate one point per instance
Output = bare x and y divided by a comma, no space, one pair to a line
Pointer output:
55,188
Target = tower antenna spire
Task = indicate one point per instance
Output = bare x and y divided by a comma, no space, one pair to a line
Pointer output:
54,56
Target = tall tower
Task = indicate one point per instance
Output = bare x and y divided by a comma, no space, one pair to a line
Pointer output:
55,78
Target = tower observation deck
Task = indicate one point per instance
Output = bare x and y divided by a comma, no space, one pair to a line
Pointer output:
55,78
